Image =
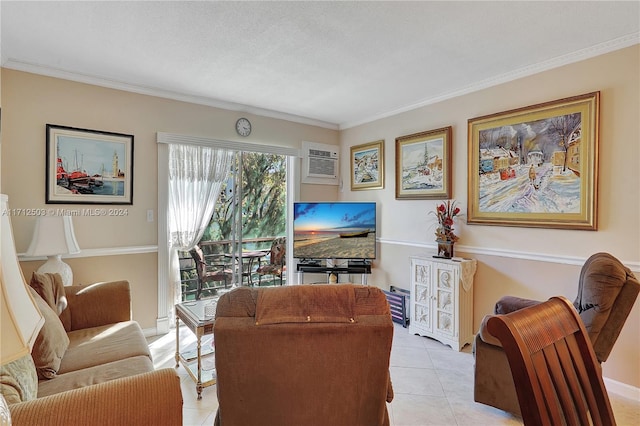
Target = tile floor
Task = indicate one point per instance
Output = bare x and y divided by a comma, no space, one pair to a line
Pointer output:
433,385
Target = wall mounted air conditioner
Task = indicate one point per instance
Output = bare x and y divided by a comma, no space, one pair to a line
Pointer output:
320,163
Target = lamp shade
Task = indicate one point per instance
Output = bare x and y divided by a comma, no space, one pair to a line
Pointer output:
53,235
21,319
12,341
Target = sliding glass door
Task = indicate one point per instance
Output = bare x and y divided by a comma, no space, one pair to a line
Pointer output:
251,212
171,283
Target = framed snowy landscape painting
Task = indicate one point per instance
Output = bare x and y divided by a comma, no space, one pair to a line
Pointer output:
536,166
423,165
367,166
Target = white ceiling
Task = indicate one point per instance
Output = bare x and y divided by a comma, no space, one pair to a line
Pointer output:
334,64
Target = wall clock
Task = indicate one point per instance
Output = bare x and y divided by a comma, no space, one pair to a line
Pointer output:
243,127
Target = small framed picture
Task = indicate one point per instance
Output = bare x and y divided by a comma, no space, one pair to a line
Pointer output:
88,166
367,166
423,165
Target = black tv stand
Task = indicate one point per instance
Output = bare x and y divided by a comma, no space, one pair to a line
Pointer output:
310,262
320,267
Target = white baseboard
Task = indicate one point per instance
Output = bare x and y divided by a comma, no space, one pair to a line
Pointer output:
150,332
622,389
162,325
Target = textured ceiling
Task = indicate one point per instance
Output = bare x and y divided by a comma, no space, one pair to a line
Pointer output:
335,64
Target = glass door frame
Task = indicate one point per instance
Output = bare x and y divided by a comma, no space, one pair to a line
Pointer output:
237,234
165,315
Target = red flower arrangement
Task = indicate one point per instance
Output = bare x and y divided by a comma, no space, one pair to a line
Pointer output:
445,214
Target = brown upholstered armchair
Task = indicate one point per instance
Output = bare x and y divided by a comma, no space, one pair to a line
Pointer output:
607,291
303,355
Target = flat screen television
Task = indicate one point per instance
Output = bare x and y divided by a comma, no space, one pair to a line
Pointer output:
334,230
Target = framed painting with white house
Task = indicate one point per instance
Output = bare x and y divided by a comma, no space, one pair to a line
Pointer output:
88,166
367,166
423,165
536,166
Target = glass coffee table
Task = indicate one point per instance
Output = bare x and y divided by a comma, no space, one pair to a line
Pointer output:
193,316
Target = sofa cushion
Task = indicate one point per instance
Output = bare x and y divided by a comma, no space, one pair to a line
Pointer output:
49,286
94,375
93,346
97,304
18,380
51,343
306,304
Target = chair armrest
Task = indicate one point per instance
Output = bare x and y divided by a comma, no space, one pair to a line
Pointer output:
97,304
152,398
508,304
504,305
485,336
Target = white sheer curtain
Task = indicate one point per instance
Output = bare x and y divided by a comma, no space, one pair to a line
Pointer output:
196,174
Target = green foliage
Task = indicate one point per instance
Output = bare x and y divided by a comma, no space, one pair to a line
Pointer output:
264,180
264,205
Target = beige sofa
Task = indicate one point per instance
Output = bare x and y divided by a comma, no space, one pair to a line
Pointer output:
93,363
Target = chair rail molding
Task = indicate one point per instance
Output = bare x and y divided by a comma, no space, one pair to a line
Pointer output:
514,254
97,252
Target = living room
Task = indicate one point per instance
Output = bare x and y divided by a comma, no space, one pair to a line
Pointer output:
529,262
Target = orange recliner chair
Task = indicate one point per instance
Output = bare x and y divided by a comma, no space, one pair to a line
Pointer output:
303,355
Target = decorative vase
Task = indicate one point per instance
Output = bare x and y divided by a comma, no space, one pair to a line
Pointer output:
445,248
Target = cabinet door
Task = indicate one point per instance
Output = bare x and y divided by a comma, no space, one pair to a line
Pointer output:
444,310
422,294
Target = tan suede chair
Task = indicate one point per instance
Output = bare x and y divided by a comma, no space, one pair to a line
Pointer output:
606,294
303,355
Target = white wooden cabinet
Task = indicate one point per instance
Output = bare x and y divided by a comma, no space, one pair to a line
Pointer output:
441,302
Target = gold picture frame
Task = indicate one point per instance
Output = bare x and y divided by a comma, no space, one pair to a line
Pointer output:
367,166
536,166
423,165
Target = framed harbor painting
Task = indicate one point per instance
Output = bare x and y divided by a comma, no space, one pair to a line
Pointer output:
88,166
423,165
367,166
536,166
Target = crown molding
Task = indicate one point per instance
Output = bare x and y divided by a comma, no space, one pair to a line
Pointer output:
577,56
160,93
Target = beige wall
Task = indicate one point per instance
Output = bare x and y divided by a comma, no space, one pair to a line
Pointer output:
141,270
528,262
511,260
31,101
